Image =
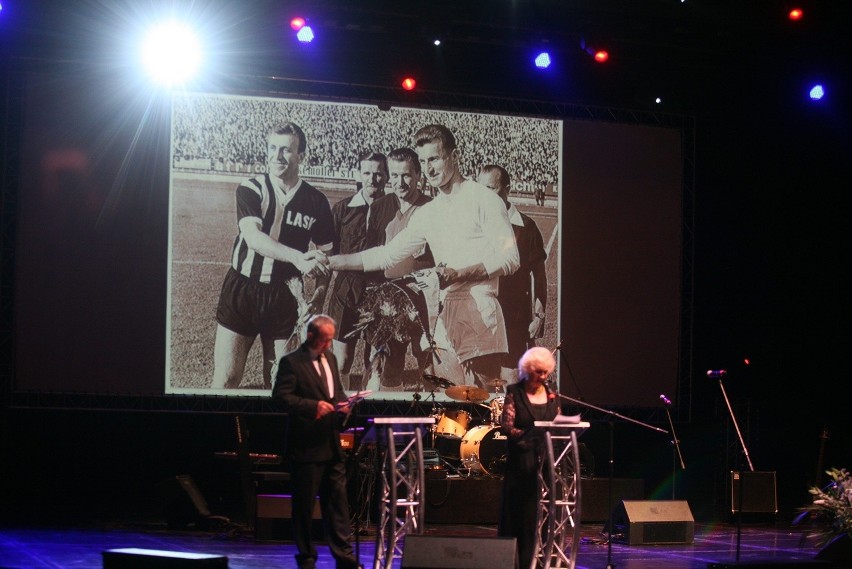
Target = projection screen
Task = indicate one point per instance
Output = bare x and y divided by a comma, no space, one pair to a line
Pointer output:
219,141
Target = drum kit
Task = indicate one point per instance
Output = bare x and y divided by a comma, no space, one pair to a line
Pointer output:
464,448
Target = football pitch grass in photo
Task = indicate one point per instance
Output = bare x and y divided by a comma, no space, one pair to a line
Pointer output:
202,233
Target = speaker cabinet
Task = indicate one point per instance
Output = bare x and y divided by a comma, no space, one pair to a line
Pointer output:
274,514
134,558
463,500
759,494
437,552
645,522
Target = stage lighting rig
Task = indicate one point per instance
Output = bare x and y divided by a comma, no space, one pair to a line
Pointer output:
171,53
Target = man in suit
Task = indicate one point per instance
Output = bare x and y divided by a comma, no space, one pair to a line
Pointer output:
308,387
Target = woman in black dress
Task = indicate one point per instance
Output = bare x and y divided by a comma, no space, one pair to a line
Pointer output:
527,401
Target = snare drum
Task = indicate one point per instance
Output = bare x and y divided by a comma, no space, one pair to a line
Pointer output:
484,449
453,423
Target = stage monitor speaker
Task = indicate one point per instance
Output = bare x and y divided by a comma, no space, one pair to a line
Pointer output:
759,494
437,552
645,522
134,558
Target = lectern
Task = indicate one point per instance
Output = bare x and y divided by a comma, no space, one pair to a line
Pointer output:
558,520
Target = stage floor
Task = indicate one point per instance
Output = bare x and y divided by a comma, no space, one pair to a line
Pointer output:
762,545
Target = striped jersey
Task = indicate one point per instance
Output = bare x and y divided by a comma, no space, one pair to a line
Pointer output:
296,219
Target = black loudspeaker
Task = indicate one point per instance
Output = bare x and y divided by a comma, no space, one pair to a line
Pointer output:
133,558
643,522
184,505
274,514
463,500
759,492
436,552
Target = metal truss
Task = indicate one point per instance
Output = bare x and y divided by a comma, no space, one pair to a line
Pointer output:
558,519
403,486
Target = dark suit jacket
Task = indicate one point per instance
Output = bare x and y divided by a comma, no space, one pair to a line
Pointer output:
298,388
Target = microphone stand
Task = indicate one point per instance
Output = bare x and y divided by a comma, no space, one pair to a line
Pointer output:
612,416
748,459
676,452
352,459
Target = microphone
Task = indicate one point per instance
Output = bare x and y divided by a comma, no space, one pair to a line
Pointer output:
414,399
558,346
665,400
717,372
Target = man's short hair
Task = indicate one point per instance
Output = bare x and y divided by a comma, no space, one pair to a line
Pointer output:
293,129
537,356
316,322
435,132
405,155
502,175
370,156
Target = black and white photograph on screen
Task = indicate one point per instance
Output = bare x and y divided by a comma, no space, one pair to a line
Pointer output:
430,236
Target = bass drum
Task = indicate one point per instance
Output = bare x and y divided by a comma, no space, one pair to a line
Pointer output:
484,449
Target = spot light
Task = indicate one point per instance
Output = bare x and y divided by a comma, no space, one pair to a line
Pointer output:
171,53
601,56
437,41
795,14
297,23
542,60
409,83
817,92
305,35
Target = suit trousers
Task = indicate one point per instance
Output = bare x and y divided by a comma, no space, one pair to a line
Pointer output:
328,480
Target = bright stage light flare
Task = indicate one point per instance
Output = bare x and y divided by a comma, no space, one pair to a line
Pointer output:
171,53
409,83
601,56
297,24
305,35
795,14
542,60
817,92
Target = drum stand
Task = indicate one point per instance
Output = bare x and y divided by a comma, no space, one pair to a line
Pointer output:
403,489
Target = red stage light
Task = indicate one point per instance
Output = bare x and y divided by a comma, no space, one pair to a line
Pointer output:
601,56
747,361
795,14
297,23
409,83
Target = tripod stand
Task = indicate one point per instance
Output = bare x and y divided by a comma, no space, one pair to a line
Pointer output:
612,417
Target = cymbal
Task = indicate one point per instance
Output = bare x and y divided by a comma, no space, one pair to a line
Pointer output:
469,393
438,381
496,382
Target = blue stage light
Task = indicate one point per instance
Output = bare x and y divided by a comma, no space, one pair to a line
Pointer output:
817,92
305,35
542,60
